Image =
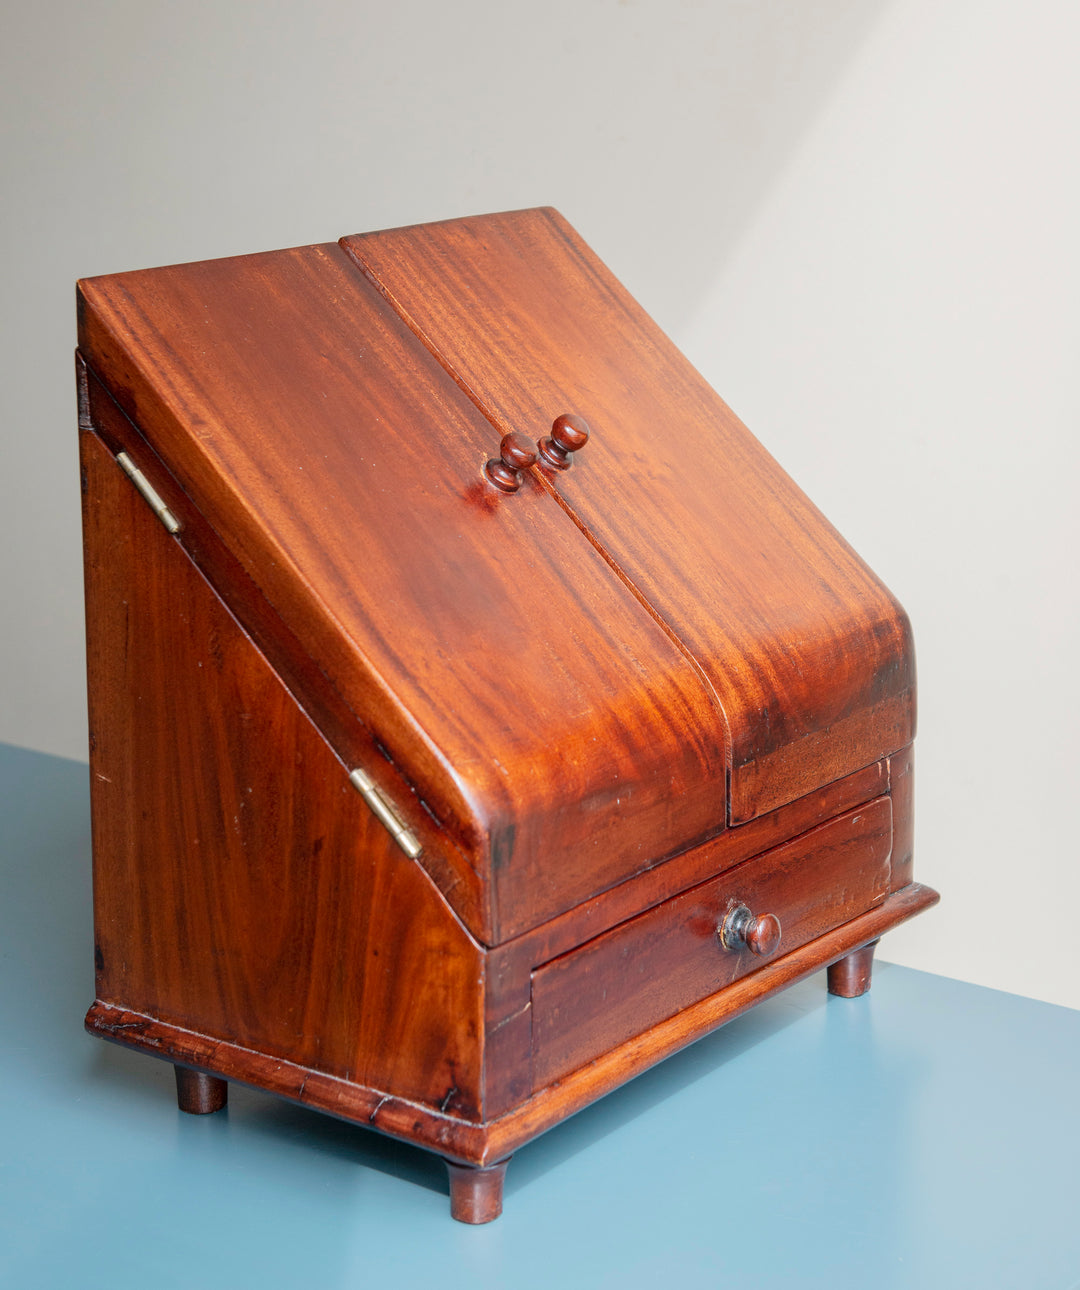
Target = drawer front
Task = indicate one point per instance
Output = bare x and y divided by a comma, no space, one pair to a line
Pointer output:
618,985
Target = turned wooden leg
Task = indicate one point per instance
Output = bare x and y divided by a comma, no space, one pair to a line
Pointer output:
476,1194
199,1094
850,977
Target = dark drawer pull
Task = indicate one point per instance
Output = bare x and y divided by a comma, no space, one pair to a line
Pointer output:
741,928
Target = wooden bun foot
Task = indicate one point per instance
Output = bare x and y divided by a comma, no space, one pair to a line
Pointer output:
476,1194
199,1094
850,976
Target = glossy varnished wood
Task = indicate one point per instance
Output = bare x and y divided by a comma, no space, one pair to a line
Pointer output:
516,454
599,995
448,514
496,1139
351,737
111,500
672,874
475,634
508,1003
808,654
250,893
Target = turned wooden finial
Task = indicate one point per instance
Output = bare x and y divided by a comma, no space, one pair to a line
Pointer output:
516,453
569,434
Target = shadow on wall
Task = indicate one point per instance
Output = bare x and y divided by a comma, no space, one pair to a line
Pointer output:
715,100
140,137
655,125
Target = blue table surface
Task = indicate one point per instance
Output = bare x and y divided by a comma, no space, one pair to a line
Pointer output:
925,1135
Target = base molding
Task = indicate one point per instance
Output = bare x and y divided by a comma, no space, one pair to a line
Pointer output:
486,1143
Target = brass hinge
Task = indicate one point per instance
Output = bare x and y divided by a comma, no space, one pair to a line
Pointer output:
148,491
367,789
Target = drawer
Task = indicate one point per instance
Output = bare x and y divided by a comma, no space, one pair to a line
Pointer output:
618,985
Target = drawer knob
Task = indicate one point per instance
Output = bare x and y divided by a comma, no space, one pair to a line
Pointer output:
569,434
516,453
760,935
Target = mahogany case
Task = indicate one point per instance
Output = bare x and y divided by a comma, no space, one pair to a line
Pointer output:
478,713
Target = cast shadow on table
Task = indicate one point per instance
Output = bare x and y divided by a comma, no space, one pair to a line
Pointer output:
49,942
265,1116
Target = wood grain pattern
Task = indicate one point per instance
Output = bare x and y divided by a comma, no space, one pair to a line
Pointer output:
241,885
508,993
353,740
618,985
554,1103
622,695
487,1143
478,637
809,655
670,875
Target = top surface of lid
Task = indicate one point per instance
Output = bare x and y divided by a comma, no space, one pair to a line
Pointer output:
807,652
537,705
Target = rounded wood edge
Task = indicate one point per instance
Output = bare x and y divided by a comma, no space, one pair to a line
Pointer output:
463,1141
476,1194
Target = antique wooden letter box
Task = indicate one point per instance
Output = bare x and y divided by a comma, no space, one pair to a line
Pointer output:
478,713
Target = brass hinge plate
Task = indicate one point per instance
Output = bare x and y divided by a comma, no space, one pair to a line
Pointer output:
148,491
367,789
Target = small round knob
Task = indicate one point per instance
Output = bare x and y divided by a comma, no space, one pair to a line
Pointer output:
569,434
741,928
516,453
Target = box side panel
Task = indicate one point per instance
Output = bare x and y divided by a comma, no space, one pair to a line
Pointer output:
353,739
243,889
809,655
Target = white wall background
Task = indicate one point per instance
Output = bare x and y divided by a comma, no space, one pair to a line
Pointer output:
859,217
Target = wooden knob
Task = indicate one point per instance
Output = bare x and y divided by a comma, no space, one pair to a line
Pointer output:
742,929
569,434
516,453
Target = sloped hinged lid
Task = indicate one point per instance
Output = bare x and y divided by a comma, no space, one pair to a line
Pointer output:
554,685
806,651
535,709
